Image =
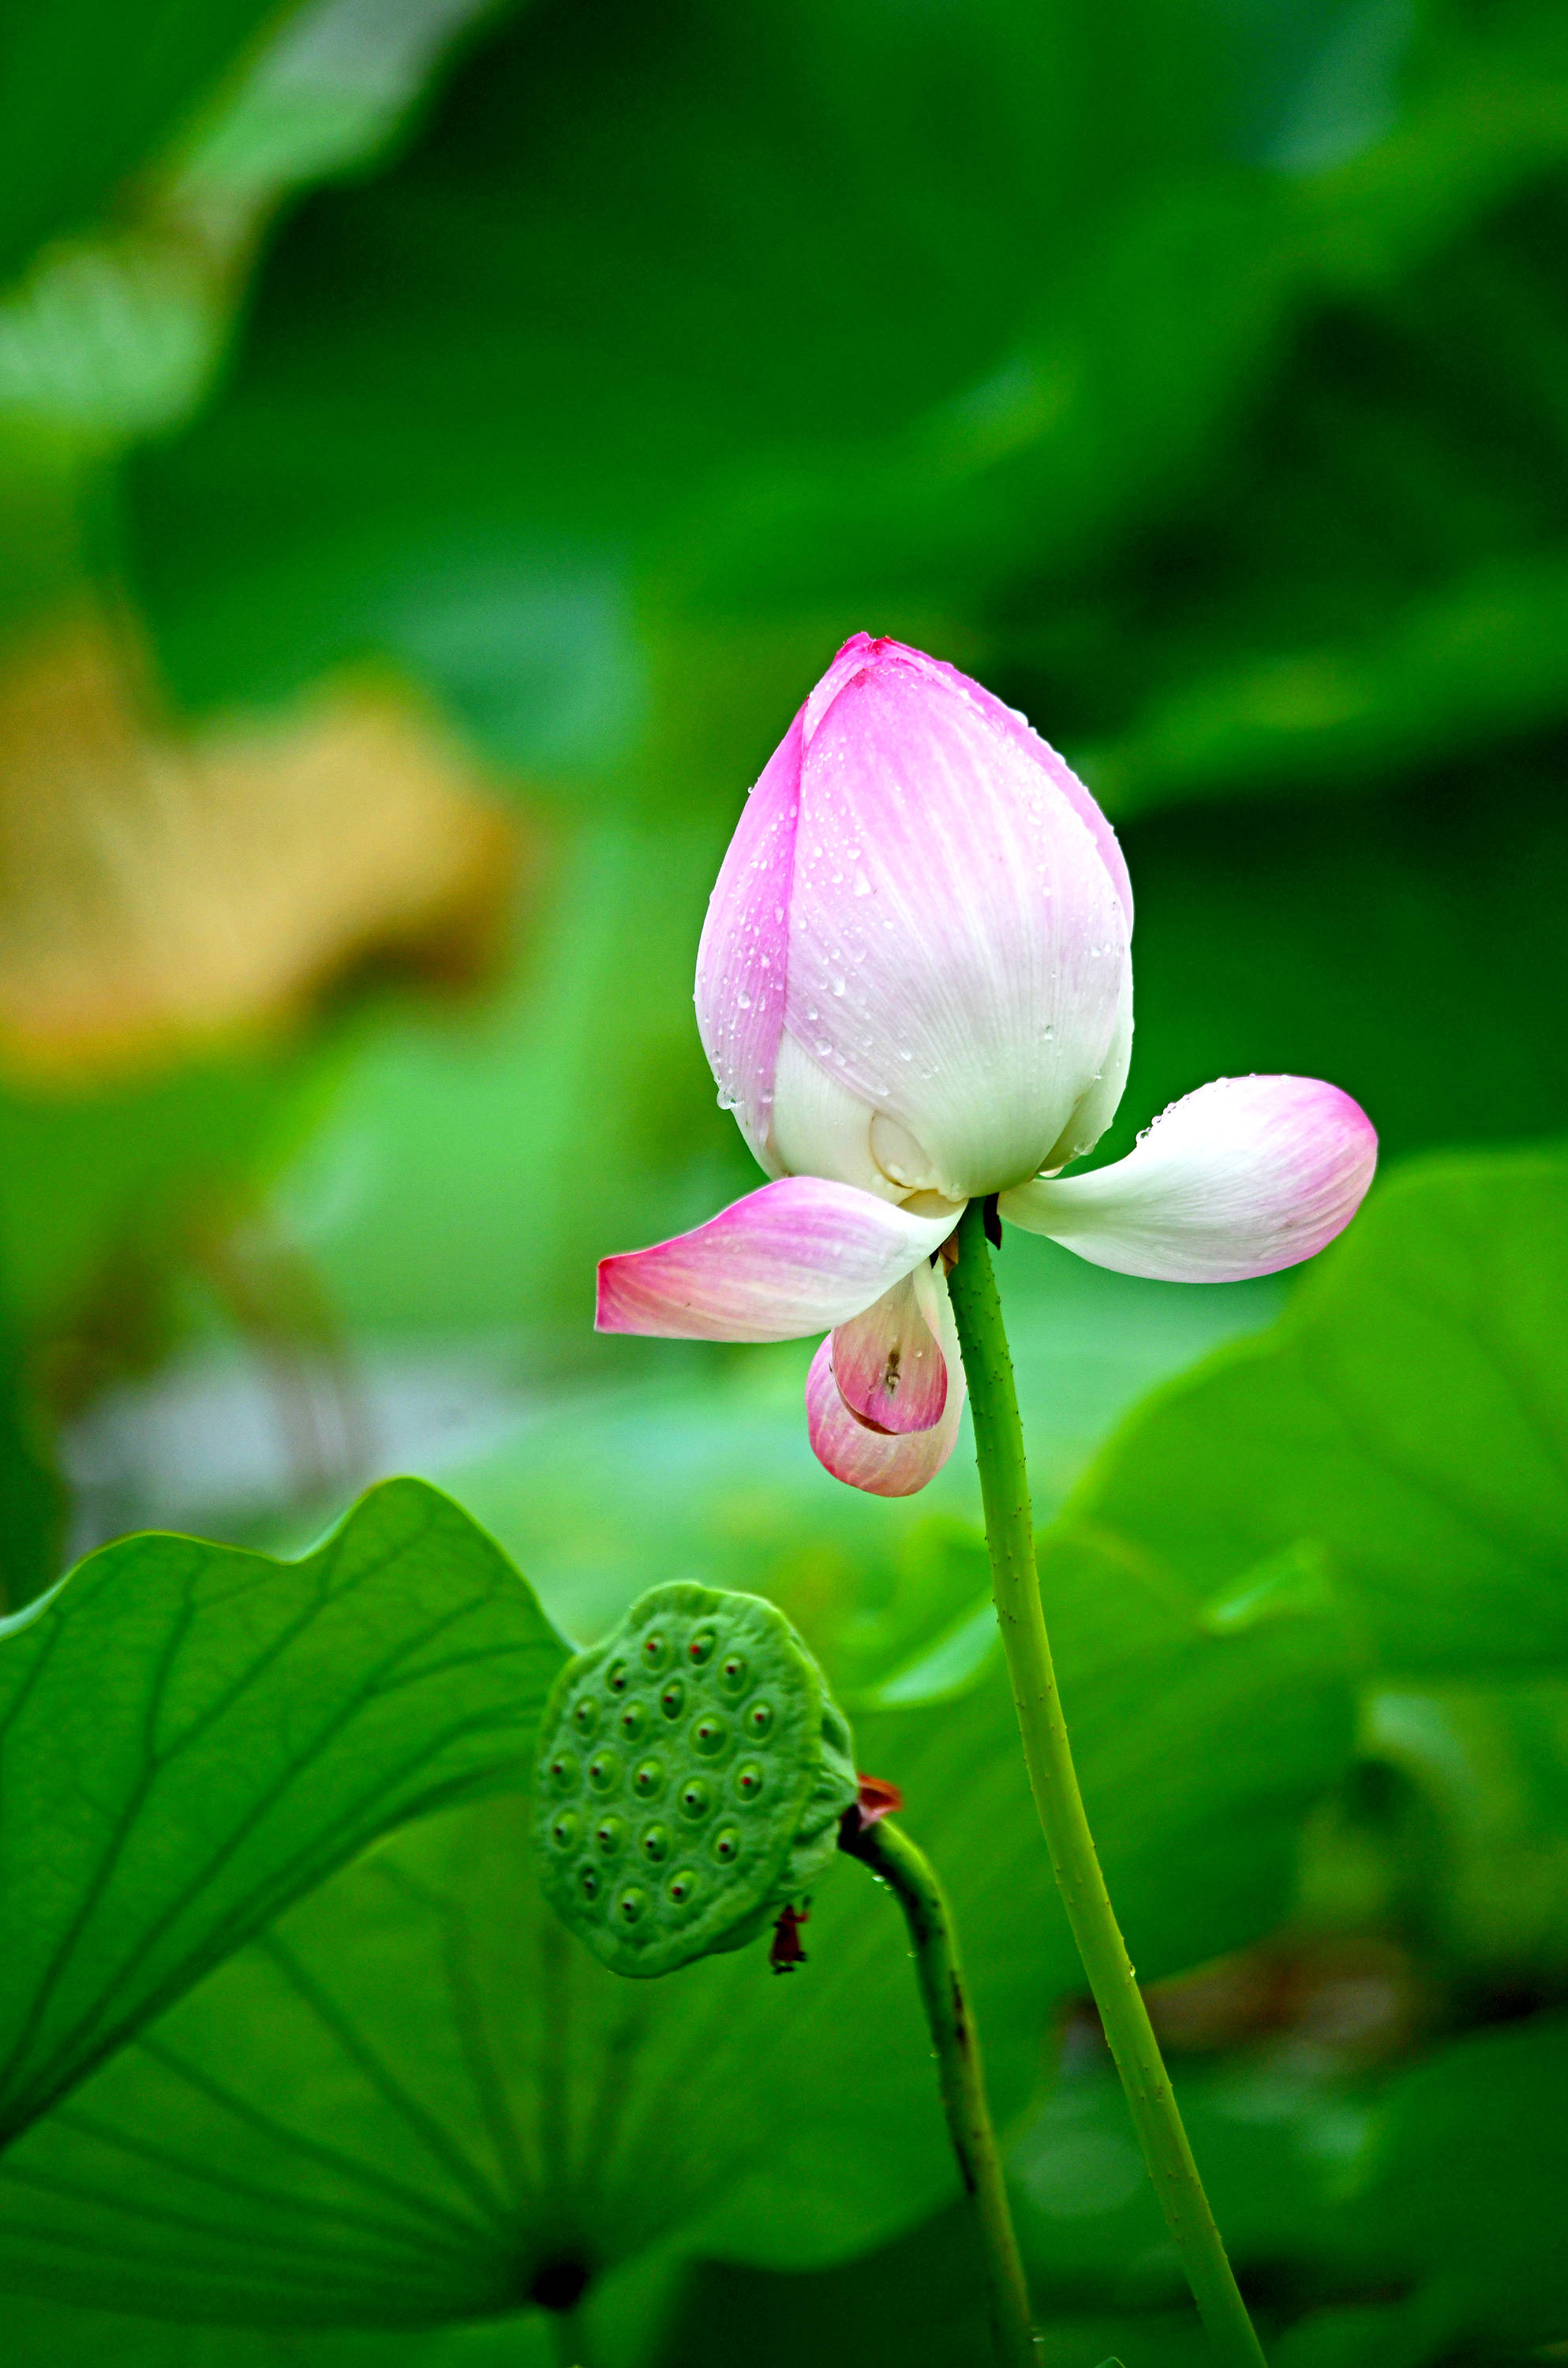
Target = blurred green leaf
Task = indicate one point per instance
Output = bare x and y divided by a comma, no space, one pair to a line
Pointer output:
1408,1417
115,333
1439,2191
918,2303
1320,939
1491,1764
416,2091
193,1737
702,1468
587,357
91,90
42,2334
1464,2190
31,1500
1276,2140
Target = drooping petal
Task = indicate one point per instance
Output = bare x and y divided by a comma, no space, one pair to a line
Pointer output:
1244,1176
956,943
789,1258
742,954
887,1363
882,1463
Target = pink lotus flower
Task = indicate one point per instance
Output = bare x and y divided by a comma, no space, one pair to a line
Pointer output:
915,987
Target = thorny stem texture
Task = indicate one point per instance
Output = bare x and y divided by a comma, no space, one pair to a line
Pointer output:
912,1879
1009,1532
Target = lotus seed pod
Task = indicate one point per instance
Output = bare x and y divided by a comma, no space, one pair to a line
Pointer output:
728,1807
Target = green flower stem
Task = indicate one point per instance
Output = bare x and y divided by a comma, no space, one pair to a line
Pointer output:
1009,1532
912,1879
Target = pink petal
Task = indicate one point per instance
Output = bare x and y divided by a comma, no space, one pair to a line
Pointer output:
1018,727
741,958
887,1362
1241,1178
789,1258
956,943
884,1463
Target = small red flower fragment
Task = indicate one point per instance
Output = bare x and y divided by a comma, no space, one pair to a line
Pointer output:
877,1799
787,1953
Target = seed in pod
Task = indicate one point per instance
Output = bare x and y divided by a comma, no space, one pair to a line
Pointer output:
728,1807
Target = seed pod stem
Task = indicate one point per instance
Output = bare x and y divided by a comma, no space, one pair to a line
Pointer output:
912,1879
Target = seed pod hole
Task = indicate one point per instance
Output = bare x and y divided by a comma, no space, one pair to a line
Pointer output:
696,1799
632,1905
632,1720
603,1770
563,1832
732,1671
727,1845
609,1834
656,1651
673,1697
701,1649
564,1770
758,1719
748,1779
680,1887
616,1678
588,1883
648,1780
708,1736
655,1844
586,1716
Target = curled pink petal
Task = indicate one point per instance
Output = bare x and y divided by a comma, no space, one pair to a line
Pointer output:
885,1463
789,1258
888,1363
742,957
958,941
1244,1176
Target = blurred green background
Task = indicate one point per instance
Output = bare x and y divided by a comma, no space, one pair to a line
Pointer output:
439,446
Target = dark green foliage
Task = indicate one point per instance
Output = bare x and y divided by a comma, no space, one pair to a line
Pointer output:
90,90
